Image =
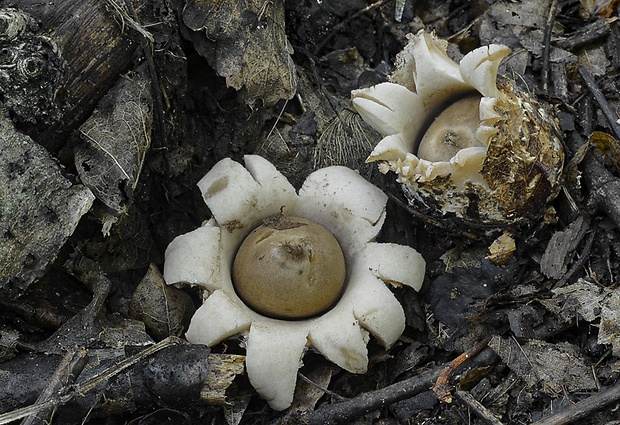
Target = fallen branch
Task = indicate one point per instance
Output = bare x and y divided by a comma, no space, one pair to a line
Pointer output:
82,388
479,410
583,408
346,411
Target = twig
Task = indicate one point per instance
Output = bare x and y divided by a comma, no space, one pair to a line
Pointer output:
480,411
583,408
89,384
66,372
553,7
442,387
346,411
609,113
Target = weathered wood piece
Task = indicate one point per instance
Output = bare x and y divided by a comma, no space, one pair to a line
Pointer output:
97,43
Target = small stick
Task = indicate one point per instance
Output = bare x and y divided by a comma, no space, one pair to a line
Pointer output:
480,411
442,388
583,408
69,368
346,411
78,390
553,7
609,113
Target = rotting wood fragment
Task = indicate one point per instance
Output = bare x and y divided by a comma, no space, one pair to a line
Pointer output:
558,255
96,46
586,35
223,369
582,409
39,210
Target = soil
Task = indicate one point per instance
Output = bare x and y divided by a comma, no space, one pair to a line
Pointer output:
113,111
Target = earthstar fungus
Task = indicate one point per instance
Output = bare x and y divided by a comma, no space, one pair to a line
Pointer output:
462,141
288,234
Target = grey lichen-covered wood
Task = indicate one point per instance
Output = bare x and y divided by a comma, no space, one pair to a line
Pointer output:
31,69
39,210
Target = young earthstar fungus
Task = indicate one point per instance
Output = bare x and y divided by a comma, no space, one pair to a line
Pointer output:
292,269
463,142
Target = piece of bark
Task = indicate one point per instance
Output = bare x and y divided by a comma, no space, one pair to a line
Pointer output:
557,256
97,48
585,35
39,210
169,373
604,188
582,409
224,368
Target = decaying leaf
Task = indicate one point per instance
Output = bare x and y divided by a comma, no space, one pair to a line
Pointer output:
165,310
582,297
457,300
560,249
594,59
607,147
604,8
116,139
555,367
39,210
128,245
591,302
245,42
516,24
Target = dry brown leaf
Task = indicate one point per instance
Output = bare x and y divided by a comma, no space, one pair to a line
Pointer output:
117,137
555,367
245,41
604,8
165,310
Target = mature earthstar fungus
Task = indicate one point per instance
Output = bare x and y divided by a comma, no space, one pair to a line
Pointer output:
267,250
462,141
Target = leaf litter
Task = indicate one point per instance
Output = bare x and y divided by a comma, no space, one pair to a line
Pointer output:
241,77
